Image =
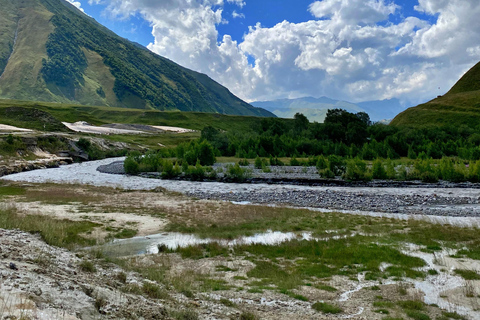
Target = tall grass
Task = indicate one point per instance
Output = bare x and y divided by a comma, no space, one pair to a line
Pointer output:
60,233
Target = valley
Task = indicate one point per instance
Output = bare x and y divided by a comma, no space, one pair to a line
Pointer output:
133,187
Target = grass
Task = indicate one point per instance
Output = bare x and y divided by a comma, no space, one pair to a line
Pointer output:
11,190
468,274
56,232
98,115
326,308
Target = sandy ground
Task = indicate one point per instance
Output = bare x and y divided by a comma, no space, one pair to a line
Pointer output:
7,128
173,129
81,126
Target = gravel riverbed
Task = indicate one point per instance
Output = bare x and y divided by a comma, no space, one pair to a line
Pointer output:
444,200
350,196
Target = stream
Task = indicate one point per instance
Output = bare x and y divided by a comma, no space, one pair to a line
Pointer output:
459,206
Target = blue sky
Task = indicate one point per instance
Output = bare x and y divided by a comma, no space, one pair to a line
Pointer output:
353,50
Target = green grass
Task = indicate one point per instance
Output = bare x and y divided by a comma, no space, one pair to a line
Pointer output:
56,232
417,315
11,190
468,274
451,315
98,115
326,308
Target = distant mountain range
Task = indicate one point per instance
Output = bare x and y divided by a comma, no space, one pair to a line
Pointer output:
315,109
52,52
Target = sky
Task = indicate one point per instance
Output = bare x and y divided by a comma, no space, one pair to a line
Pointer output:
351,50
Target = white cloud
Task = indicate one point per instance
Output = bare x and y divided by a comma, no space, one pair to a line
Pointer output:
235,15
345,53
353,11
76,4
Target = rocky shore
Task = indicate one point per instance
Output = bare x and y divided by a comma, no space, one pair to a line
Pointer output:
355,196
24,165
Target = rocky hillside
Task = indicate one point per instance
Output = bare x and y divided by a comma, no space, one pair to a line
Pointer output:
459,106
50,51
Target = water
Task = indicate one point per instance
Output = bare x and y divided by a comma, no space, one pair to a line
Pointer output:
173,240
86,173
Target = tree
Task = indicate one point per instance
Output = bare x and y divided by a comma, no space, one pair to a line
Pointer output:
300,122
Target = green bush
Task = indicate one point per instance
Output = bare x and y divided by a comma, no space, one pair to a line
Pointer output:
274,161
378,170
321,163
326,174
170,171
294,162
336,164
258,163
195,173
243,163
356,170
131,166
237,174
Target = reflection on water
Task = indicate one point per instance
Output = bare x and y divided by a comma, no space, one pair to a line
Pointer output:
172,240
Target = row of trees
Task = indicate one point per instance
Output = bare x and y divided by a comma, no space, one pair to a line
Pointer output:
347,135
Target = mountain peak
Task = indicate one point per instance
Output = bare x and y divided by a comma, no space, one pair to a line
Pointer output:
51,51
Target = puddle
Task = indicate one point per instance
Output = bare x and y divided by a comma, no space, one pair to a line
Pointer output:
172,240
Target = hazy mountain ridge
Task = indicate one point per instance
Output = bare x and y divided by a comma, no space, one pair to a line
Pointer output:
315,109
62,55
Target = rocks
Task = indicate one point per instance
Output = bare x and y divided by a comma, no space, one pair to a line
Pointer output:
354,201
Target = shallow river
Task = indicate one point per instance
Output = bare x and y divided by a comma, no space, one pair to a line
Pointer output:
86,173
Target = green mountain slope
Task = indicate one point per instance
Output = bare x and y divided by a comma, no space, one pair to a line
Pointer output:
459,106
50,51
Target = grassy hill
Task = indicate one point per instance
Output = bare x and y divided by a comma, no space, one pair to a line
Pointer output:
50,51
459,106
56,113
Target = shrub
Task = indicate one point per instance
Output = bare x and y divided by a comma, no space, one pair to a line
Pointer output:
84,144
170,171
294,162
206,154
276,162
195,173
327,174
236,173
321,163
258,163
378,171
244,163
356,170
131,166
336,165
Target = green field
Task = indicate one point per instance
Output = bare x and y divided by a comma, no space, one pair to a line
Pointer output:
105,115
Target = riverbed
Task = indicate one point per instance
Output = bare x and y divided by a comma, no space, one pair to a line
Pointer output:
445,205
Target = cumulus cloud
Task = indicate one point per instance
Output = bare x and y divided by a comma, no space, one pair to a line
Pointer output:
235,15
343,52
76,4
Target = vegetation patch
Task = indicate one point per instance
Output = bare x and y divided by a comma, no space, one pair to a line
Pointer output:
326,308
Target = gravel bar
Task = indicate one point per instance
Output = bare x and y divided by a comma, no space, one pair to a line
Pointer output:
344,196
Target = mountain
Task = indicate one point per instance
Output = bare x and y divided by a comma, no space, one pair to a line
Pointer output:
50,51
459,106
315,109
